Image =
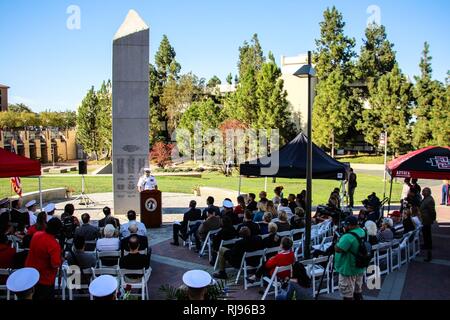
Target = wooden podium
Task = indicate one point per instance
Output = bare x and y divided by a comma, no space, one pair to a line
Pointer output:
151,211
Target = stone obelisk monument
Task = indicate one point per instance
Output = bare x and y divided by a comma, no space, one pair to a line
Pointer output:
130,110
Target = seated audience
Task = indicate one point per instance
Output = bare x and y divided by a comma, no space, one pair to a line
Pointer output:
284,258
408,222
40,225
372,232
278,196
78,256
264,225
284,207
283,223
263,196
50,210
210,205
301,199
131,215
262,209
86,230
299,285
397,228
273,240
270,207
134,260
143,240
385,233
239,209
69,209
248,222
21,256
292,204
212,222
227,232
415,213
102,222
233,256
228,211
110,242
298,220
180,229
6,253
251,203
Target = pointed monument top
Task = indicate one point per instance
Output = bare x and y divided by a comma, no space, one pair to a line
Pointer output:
133,23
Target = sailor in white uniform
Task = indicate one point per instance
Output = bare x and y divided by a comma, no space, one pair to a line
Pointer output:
31,207
147,181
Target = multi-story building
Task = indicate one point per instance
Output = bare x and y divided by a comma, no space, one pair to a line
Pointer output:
3,97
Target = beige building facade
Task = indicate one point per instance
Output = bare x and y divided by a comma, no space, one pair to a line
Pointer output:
297,88
3,97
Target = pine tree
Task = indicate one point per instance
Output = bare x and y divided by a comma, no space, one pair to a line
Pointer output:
333,60
424,93
390,102
440,115
273,111
105,116
230,79
89,132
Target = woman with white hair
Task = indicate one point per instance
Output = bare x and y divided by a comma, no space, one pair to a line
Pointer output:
110,242
385,233
372,230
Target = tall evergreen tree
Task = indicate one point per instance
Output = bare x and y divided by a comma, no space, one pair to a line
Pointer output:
390,101
105,116
333,59
89,132
230,79
440,115
424,93
273,111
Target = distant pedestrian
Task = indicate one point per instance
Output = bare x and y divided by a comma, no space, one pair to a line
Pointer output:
428,215
445,193
352,184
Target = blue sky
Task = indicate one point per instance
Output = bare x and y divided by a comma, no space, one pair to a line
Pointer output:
49,66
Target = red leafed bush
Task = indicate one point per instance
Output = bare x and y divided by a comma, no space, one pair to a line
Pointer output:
161,154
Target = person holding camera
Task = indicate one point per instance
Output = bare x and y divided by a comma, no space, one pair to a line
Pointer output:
346,250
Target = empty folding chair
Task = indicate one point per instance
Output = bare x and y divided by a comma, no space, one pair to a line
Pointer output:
315,271
297,234
324,245
273,281
416,242
136,279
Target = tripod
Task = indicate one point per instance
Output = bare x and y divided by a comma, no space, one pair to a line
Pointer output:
85,199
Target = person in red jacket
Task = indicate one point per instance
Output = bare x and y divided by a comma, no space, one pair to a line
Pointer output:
284,258
45,256
6,256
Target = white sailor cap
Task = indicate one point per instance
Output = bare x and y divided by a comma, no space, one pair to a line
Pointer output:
4,201
227,204
197,279
103,286
30,203
22,279
147,170
49,208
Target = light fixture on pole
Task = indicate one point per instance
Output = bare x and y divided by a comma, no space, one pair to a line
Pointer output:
307,71
385,158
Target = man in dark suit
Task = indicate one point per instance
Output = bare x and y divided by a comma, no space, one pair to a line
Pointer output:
210,205
248,222
192,214
143,240
212,222
134,260
248,243
428,215
87,231
107,213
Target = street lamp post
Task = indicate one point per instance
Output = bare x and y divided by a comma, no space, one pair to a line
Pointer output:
307,71
385,159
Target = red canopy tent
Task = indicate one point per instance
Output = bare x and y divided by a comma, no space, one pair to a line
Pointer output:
427,163
13,165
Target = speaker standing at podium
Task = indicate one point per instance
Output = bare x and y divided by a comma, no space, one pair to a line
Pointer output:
147,181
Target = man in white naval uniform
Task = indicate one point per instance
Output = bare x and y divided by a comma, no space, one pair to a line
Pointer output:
31,207
147,181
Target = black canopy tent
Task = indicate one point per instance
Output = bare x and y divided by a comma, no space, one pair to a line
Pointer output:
292,163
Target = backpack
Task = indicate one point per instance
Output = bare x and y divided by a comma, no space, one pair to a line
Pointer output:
364,254
69,227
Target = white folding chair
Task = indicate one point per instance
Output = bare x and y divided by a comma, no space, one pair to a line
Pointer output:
273,280
315,272
245,267
61,283
298,247
190,240
395,255
295,232
285,234
383,258
324,245
416,242
73,288
208,243
97,272
110,256
270,252
139,282
5,273
404,253
224,243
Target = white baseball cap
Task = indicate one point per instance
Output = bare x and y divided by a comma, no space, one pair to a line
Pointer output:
49,208
103,286
30,203
197,279
22,280
227,204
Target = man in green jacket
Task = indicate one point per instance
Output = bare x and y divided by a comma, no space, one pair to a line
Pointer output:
350,277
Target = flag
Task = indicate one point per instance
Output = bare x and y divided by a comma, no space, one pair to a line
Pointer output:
16,185
15,181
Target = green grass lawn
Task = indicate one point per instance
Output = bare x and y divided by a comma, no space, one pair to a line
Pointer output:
364,159
321,188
